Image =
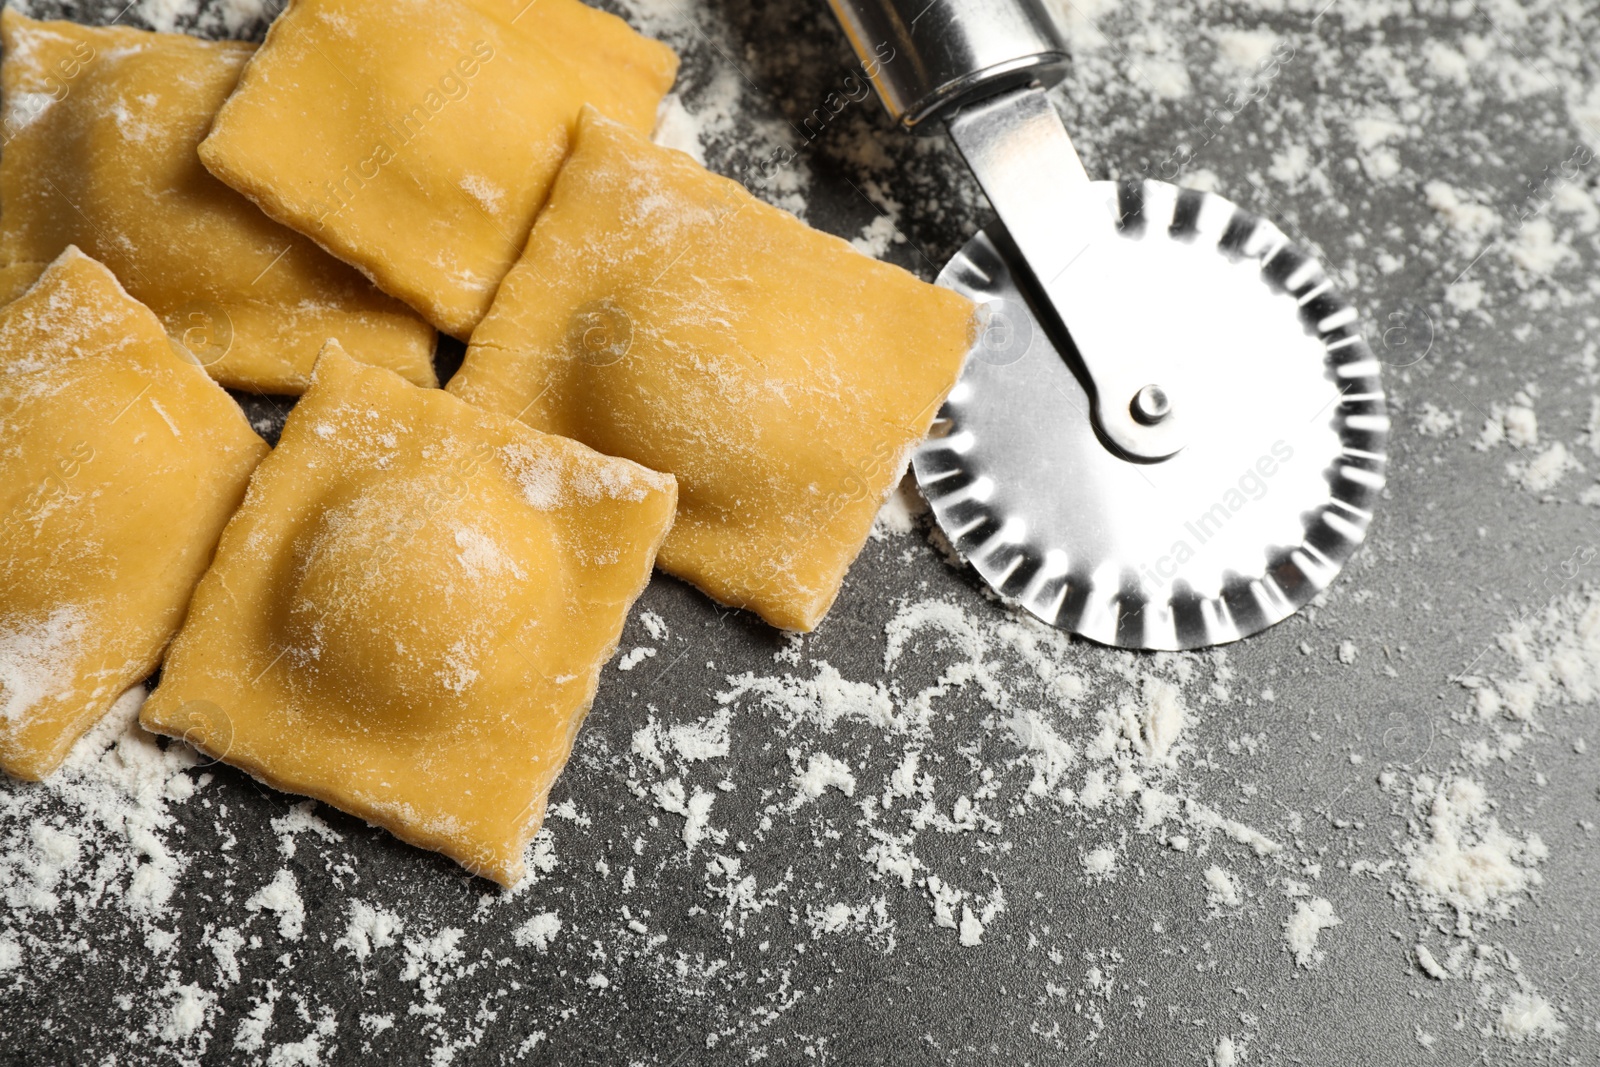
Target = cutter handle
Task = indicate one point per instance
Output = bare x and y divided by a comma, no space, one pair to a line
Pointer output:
926,58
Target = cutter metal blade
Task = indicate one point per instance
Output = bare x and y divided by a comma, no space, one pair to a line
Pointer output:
1286,431
1170,432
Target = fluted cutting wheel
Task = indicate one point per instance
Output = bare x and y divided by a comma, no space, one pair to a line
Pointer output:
1285,424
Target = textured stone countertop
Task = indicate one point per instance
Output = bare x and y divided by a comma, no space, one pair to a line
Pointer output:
930,832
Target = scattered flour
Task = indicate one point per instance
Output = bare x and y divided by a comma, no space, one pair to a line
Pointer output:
1460,857
1222,888
1100,863
1548,658
301,819
1245,50
677,128
1516,425
1470,221
632,659
1304,925
370,928
251,1034
538,932
1544,471
189,1012
695,807
706,739
1428,965
281,896
1436,422
654,625
822,773
1527,1017
120,784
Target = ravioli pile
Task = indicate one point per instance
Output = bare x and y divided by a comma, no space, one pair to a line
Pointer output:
101,129
404,608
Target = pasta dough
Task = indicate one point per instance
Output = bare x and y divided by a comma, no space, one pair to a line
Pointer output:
18,278
120,462
663,314
101,129
417,139
408,616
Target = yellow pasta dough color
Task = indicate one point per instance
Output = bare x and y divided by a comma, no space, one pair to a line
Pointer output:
663,314
18,278
408,616
120,462
417,139
101,130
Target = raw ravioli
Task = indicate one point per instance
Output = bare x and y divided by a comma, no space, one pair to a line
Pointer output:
663,314
417,139
18,278
101,128
408,616
120,462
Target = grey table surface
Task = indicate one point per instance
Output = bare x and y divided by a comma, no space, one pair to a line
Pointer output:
660,959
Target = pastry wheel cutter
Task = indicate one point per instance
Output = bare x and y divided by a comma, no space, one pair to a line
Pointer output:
1169,432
